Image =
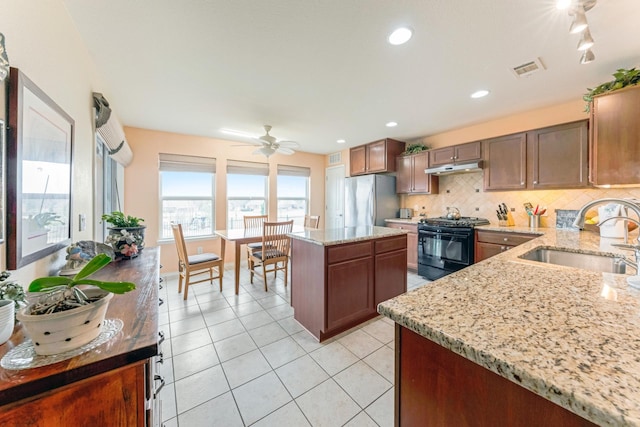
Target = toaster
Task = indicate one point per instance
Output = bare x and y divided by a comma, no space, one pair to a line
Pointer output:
406,213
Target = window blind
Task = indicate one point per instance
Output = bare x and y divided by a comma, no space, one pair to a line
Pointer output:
294,171
247,168
180,163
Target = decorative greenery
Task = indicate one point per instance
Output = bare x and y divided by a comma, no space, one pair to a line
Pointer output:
118,219
63,294
623,78
10,290
414,148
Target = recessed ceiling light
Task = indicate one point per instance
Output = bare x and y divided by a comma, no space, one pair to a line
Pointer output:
400,35
480,93
341,141
391,124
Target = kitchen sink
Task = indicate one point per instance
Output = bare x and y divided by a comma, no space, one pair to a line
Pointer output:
594,261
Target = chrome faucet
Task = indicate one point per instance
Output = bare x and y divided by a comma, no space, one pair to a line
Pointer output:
635,248
579,222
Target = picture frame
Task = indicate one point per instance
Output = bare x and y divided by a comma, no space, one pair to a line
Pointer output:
39,148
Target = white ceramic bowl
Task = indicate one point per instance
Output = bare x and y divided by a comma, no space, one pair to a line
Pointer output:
59,332
7,320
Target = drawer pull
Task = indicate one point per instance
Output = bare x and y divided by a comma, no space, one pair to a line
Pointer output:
161,335
157,390
160,358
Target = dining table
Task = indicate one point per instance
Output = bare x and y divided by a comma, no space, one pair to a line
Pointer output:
241,236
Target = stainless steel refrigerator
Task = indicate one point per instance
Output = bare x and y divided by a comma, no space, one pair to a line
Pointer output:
369,200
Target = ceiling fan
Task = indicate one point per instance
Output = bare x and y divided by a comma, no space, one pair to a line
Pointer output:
269,144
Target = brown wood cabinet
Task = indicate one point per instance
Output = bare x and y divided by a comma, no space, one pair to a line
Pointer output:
551,157
375,157
489,243
615,138
410,176
455,154
412,242
336,287
436,387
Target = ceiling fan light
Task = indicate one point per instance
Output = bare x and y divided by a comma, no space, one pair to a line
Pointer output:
579,21
563,4
267,151
587,57
586,41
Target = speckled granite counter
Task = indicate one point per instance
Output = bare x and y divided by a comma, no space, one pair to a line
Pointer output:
571,336
337,236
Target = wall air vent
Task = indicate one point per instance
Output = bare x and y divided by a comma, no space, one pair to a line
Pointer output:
335,158
526,69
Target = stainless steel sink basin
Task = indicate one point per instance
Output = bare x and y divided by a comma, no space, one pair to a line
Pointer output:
593,261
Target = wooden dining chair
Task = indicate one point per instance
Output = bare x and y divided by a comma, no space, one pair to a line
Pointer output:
311,221
253,222
277,243
194,265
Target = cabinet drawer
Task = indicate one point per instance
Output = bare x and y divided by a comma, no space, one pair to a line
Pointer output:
349,251
503,238
391,244
411,228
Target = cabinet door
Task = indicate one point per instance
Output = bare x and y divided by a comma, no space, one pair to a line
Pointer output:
350,292
421,181
412,251
391,275
557,156
505,162
404,174
616,134
357,159
377,156
487,250
468,152
441,156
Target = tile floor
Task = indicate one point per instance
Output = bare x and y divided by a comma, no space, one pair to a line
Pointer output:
240,360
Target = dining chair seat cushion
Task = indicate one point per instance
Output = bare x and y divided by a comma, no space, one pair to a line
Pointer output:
257,245
269,253
199,258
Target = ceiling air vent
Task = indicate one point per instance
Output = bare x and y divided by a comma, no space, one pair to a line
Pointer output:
525,70
335,158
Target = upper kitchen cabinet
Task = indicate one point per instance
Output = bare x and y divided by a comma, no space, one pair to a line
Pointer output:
410,176
615,137
551,157
375,157
455,154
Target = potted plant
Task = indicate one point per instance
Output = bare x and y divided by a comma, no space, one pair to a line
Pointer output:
10,290
414,148
623,78
66,317
11,299
126,236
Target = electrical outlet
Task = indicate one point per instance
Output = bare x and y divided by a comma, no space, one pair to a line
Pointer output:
82,222
199,249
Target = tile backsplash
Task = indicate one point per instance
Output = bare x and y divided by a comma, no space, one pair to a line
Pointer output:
465,192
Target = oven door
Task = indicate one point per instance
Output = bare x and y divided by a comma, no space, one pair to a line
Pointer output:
445,248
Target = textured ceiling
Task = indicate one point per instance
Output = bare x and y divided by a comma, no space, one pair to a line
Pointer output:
321,70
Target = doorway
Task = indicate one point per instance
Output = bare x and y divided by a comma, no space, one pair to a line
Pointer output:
334,197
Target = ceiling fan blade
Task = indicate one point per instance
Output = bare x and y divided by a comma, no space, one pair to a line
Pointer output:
288,144
285,150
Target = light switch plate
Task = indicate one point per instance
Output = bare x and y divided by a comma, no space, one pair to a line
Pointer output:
82,222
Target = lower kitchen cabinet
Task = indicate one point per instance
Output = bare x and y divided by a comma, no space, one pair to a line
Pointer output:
412,242
489,243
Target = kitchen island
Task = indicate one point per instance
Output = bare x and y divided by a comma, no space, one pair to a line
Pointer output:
338,276
520,342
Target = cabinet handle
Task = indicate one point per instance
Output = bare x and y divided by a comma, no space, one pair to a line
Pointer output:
160,358
451,158
506,239
160,301
535,182
521,182
161,335
157,390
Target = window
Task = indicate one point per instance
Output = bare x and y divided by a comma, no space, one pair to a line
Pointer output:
246,191
293,193
187,194
109,176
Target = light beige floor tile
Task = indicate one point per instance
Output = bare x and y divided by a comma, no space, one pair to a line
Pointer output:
291,325
382,409
271,301
308,341
243,298
194,361
219,316
282,351
187,325
301,375
226,329
360,343
334,357
221,411
380,330
361,420
234,346
362,383
267,334
288,415
258,398
255,320
215,305
189,341
382,361
168,397
281,311
246,308
245,368
165,370
327,405
173,422
197,389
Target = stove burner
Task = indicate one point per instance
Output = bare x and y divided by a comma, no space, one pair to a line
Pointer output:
465,221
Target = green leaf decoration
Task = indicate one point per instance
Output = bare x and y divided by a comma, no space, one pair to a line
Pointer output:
92,266
44,283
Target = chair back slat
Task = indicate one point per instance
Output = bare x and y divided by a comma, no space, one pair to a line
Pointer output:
311,221
181,246
275,237
254,221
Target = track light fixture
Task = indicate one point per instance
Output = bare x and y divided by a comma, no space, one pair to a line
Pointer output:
578,9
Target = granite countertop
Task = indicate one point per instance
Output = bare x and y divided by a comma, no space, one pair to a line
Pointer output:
569,335
336,236
413,220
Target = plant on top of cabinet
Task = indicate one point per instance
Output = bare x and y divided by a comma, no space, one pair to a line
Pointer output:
415,148
623,78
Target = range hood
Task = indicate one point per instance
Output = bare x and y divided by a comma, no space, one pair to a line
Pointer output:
455,168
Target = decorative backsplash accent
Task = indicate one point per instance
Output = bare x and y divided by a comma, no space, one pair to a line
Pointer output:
460,191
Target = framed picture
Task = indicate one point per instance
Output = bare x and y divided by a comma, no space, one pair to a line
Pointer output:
39,173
